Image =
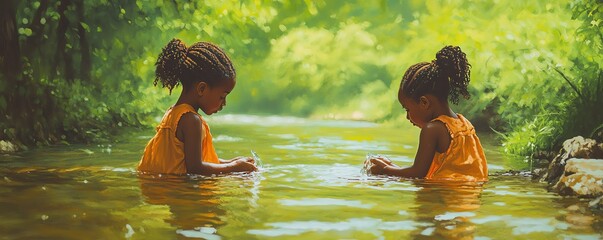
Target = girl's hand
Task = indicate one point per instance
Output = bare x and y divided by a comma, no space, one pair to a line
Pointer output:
384,160
249,159
379,165
244,164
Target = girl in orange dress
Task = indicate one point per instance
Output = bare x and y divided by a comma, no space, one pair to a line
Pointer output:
449,148
183,142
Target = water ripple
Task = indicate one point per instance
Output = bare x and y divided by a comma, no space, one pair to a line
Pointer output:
324,202
366,224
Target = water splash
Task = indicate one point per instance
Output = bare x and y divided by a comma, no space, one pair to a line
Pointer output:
257,159
367,165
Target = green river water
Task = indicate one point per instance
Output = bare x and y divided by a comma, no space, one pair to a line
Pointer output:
310,187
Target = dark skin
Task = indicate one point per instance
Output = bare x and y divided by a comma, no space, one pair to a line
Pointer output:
434,136
210,100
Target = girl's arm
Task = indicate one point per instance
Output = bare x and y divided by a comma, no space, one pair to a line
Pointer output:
223,161
431,135
191,126
248,159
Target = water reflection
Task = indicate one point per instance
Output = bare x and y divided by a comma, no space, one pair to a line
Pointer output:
193,203
449,206
64,203
204,207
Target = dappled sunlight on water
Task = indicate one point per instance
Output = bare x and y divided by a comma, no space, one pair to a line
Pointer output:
310,187
340,144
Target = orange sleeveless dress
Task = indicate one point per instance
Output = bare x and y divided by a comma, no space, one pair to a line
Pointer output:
464,160
165,152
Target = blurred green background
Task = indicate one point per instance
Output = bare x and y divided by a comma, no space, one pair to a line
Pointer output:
80,71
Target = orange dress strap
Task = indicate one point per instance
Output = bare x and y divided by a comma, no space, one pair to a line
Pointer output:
165,152
464,160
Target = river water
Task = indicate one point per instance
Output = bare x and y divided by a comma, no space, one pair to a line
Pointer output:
310,187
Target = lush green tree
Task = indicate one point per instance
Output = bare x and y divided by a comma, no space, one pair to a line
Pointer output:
76,70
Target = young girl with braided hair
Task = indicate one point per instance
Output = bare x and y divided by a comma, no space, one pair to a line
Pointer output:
183,142
449,148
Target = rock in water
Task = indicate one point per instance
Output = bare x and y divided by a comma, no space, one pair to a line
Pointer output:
577,147
581,177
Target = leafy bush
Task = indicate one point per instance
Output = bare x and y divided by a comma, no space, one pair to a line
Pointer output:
578,100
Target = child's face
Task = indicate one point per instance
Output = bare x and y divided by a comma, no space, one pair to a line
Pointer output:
213,99
415,110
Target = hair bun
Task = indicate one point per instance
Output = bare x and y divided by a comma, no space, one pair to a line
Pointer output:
452,64
175,51
169,65
445,58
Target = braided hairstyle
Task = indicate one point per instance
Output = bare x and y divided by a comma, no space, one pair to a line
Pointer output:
446,76
202,61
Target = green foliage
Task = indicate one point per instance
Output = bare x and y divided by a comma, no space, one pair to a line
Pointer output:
323,59
320,69
580,96
590,14
583,115
62,99
534,135
316,69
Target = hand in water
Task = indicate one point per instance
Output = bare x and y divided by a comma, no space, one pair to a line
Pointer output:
375,164
244,164
248,159
367,164
384,160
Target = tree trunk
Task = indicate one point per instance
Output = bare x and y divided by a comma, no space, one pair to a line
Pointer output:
86,64
10,67
10,56
62,58
31,48
14,119
37,28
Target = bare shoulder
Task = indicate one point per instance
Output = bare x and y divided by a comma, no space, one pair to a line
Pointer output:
436,132
189,120
435,128
189,123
